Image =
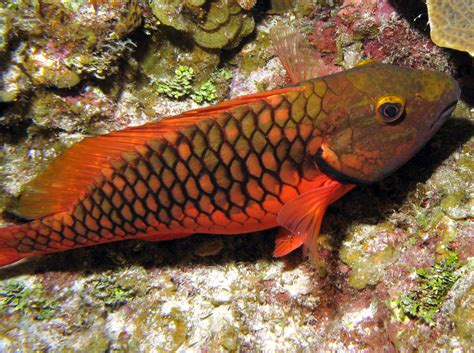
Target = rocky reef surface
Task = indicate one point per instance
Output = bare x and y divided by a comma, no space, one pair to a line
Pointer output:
397,268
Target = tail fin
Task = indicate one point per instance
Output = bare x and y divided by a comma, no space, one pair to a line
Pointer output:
8,253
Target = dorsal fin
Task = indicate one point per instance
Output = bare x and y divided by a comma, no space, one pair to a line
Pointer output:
301,60
64,181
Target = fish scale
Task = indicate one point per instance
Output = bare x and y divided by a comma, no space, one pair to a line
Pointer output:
230,174
276,158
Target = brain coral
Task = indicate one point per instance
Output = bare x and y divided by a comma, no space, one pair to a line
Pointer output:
452,23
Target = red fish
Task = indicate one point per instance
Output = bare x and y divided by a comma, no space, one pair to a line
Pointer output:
277,158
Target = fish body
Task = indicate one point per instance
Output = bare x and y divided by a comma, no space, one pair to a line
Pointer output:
275,158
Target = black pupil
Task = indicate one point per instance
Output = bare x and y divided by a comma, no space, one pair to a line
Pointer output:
390,110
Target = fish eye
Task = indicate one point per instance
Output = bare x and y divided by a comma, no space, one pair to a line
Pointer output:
390,108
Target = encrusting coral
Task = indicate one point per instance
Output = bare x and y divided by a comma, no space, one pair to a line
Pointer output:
452,24
213,24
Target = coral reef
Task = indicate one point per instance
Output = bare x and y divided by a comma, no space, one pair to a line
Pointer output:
61,41
71,69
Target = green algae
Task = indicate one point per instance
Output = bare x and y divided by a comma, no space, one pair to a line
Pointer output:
206,93
179,86
17,297
425,300
109,292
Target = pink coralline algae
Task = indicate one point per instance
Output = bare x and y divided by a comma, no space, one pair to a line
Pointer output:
372,29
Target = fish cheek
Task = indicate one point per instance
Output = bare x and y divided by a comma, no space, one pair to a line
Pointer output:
357,155
390,148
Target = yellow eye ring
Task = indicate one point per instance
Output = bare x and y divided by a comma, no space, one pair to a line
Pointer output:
390,108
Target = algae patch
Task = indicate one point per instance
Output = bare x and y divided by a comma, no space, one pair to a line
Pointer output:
108,292
180,86
425,300
463,315
17,297
368,254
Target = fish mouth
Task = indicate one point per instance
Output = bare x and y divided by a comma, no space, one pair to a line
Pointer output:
444,115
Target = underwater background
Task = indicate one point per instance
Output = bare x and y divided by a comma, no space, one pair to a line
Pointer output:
398,258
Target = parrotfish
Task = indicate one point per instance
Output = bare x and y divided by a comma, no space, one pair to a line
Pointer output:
270,159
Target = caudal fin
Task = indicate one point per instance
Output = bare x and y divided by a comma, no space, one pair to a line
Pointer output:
8,253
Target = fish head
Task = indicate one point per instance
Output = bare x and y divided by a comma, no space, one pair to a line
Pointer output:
379,116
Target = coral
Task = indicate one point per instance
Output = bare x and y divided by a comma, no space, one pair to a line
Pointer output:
130,19
425,301
256,54
452,24
161,55
13,83
44,70
299,7
218,24
246,4
52,111
5,28
360,29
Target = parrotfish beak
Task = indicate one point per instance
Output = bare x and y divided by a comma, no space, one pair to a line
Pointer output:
446,113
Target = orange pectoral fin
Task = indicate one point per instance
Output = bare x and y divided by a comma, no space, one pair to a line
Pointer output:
286,242
303,216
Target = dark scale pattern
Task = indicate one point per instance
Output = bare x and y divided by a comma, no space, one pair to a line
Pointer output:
227,174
